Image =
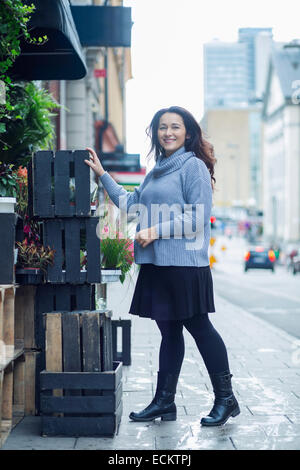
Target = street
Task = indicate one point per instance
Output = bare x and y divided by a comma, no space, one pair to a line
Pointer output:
275,297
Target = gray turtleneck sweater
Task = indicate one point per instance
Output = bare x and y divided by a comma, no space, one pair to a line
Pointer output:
176,198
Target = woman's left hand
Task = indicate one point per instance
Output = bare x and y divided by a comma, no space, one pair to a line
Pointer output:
146,236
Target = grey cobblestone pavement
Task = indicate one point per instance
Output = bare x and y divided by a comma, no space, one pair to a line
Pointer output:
265,364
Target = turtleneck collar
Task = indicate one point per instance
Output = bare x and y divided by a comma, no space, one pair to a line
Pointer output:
165,165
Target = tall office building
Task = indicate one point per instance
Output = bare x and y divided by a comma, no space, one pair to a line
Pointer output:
235,72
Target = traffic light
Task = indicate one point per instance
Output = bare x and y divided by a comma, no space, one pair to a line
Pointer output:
213,222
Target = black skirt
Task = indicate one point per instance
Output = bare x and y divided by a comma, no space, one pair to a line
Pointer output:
172,292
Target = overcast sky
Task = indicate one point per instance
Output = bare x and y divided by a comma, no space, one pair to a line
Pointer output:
167,51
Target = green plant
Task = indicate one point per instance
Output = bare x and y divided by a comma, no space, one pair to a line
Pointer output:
14,16
8,181
34,256
117,254
117,250
28,126
13,183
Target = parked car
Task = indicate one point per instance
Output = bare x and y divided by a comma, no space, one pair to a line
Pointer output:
295,265
260,257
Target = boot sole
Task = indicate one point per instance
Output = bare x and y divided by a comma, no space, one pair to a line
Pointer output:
235,413
164,417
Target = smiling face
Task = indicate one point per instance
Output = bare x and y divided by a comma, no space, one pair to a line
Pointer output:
171,132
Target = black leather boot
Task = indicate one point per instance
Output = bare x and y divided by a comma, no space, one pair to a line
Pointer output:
225,404
162,405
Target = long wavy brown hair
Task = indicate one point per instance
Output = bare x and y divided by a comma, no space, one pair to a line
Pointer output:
195,143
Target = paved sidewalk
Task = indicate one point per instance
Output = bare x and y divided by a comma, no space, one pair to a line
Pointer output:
264,361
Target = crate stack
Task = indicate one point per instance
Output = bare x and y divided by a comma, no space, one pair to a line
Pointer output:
18,362
60,199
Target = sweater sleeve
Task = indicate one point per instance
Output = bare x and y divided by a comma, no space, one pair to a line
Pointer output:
120,197
196,213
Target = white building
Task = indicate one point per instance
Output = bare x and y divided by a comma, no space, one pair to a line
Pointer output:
281,145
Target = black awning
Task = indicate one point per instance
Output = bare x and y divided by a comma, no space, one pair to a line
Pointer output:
103,26
60,58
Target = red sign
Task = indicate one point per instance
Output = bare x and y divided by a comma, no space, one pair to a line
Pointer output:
100,73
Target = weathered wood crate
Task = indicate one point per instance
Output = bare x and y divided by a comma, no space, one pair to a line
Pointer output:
78,341
95,410
121,336
81,388
17,320
7,237
59,184
67,237
17,391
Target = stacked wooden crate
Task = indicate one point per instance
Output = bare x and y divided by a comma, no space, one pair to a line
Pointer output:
67,300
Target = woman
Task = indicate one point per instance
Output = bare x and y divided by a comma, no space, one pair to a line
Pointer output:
174,285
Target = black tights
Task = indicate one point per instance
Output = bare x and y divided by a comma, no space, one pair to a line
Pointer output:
208,340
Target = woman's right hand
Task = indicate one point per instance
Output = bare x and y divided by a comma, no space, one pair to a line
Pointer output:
94,162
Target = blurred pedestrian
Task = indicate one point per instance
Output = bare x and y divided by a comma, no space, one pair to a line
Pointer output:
174,285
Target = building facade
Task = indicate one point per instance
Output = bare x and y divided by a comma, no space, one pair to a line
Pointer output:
281,144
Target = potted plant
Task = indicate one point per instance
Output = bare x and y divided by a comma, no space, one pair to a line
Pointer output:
116,250
13,189
8,188
32,262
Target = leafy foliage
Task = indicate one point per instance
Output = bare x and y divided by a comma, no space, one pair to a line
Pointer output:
34,256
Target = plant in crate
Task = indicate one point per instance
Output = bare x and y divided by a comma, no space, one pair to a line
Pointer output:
13,185
117,250
32,261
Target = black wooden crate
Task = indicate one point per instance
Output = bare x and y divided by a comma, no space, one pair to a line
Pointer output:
124,327
66,237
7,237
89,414
58,298
49,177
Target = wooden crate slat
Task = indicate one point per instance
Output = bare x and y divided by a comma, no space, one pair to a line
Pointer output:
33,367
72,250
42,197
7,237
62,298
71,342
71,404
93,251
30,188
108,380
7,393
44,302
62,182
82,426
91,359
53,238
85,295
107,343
9,317
19,388
53,342
25,315
82,189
